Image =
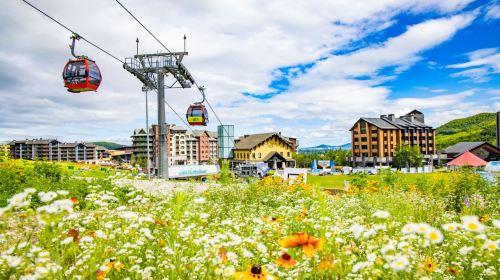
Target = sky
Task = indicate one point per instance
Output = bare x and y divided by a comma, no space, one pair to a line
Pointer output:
309,69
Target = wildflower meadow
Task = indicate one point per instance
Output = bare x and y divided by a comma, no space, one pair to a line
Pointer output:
64,228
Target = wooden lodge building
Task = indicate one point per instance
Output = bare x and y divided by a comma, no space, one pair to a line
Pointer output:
271,148
374,140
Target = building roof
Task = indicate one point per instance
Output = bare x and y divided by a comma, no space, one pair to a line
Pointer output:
197,133
461,147
177,127
468,159
34,141
250,141
381,123
272,154
391,122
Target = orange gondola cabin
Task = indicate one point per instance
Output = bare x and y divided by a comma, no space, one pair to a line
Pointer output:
197,114
81,75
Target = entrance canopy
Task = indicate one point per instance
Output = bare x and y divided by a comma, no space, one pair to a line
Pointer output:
467,159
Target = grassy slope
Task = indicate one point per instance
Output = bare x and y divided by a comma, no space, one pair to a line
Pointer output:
108,145
480,127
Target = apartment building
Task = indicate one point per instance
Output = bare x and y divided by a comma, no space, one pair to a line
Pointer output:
186,147
374,140
52,150
202,147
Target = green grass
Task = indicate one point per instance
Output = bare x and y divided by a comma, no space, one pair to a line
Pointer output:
337,181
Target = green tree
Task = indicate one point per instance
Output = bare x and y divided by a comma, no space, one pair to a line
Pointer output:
141,161
408,156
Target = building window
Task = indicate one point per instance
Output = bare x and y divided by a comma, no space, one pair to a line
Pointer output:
253,155
363,139
362,125
288,154
259,155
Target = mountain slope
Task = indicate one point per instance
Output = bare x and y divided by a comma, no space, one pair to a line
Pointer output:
480,127
108,145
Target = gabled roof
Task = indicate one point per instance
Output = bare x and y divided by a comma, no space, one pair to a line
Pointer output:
272,154
467,159
380,123
248,142
461,147
414,111
34,141
197,133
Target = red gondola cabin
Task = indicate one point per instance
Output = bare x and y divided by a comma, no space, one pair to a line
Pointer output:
197,115
81,75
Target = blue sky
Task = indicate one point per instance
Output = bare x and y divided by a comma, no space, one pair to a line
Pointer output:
308,69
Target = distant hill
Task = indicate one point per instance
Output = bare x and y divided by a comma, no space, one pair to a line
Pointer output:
480,127
108,145
324,147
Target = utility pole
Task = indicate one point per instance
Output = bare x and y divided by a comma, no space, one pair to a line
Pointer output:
151,70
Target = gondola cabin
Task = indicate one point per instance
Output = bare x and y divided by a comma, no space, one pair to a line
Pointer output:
197,114
81,75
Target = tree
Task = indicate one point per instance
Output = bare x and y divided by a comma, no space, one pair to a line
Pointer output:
408,156
141,161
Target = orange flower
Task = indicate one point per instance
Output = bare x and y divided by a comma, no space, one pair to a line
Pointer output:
74,233
91,233
452,270
162,243
326,264
309,243
74,200
100,275
222,254
286,261
160,222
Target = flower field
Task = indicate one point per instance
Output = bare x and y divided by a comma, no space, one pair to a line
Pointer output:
262,230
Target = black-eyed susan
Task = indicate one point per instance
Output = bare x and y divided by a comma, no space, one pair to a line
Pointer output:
429,265
286,261
255,272
453,271
302,215
308,243
484,218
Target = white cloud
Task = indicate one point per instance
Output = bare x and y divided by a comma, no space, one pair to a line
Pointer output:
234,47
482,64
493,12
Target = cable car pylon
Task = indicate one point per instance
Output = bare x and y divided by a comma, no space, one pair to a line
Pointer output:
151,70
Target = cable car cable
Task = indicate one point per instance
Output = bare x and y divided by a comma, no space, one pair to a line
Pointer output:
96,46
67,28
130,13
198,87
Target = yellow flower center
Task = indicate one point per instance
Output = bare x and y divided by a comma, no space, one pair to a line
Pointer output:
472,226
433,236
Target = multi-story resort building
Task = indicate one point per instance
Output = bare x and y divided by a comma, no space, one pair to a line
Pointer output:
186,147
374,140
53,150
